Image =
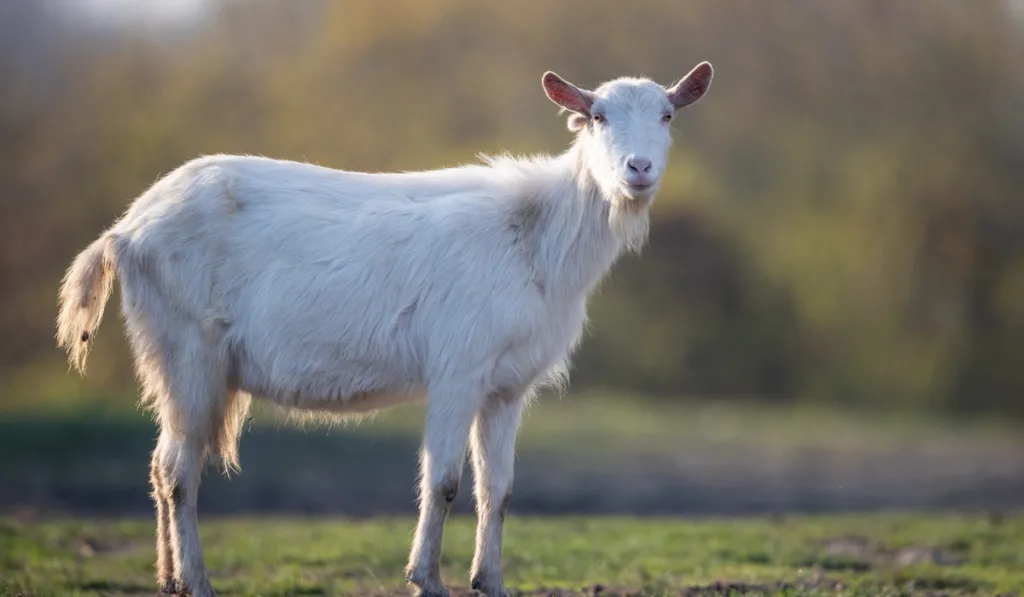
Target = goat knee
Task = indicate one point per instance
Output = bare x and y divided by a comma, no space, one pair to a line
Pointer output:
446,491
503,508
174,493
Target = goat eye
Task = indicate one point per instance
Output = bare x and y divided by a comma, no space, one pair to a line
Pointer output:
598,118
667,117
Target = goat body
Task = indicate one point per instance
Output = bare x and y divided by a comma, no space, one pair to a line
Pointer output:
336,291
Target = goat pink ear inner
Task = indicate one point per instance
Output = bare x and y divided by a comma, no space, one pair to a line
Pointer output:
565,94
693,86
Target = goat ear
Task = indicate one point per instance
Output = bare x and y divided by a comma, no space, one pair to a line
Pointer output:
692,87
567,95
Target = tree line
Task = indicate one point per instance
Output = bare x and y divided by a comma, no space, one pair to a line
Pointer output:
842,220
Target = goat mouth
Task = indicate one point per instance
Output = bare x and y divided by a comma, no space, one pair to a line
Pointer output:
639,188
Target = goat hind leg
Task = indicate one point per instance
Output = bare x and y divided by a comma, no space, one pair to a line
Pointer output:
181,463
187,415
164,548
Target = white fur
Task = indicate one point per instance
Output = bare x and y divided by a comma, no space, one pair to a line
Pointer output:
343,292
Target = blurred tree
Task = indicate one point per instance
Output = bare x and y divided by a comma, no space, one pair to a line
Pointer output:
842,220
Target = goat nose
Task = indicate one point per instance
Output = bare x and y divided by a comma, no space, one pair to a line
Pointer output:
640,165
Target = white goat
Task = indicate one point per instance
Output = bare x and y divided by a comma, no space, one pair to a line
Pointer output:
343,292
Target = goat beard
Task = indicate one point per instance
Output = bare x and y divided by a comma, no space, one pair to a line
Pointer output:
629,220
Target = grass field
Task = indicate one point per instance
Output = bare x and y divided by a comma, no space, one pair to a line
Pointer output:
75,517
872,555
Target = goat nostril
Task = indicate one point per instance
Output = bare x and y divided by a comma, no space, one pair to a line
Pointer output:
639,165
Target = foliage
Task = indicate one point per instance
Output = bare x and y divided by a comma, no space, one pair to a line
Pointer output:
842,220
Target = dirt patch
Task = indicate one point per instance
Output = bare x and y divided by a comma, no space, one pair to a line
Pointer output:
719,589
87,546
911,588
860,554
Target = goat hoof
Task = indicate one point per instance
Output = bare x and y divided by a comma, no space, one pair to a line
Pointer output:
426,585
482,588
204,590
169,587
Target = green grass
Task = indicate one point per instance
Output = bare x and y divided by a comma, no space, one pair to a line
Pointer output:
99,459
864,555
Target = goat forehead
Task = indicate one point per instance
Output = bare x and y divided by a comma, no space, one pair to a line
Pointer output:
633,94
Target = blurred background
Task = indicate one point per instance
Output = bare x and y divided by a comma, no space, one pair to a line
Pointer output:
829,315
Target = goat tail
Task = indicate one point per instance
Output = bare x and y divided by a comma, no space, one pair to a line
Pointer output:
83,296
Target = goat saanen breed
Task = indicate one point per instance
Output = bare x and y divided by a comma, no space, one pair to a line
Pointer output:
328,291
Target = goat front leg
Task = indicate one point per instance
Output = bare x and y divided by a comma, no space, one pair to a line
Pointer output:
493,447
445,436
